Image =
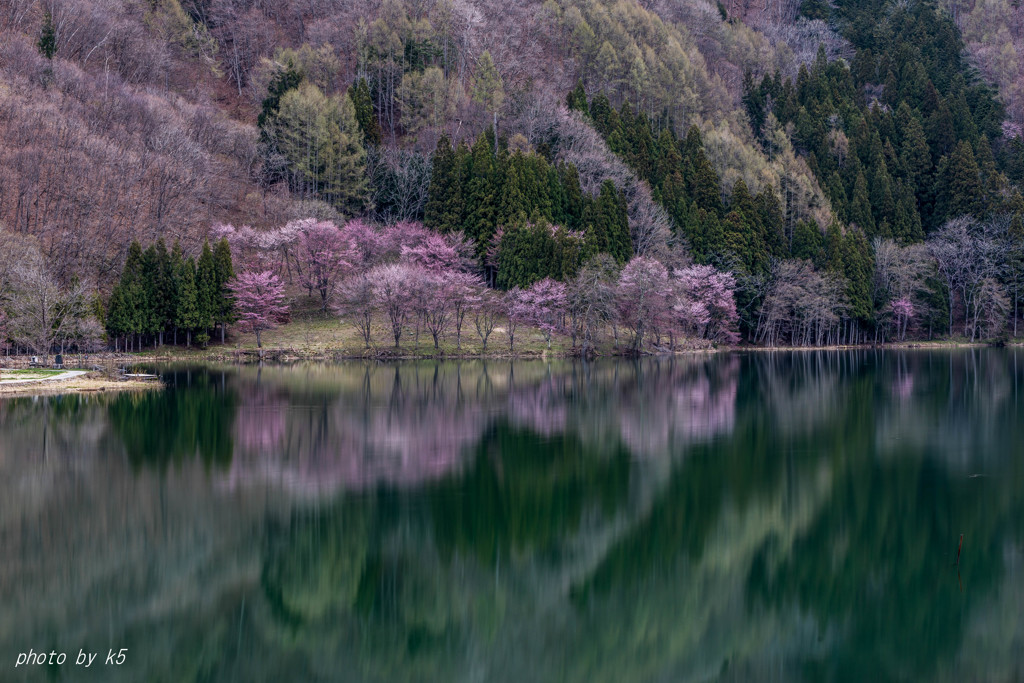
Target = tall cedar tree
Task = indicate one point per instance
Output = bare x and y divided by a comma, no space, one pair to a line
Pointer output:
365,115
187,316
207,293
224,271
47,37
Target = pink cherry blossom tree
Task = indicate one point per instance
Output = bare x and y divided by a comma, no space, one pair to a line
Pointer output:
261,250
259,299
517,311
705,303
487,308
392,287
324,255
438,303
357,301
465,291
370,244
543,305
436,252
643,298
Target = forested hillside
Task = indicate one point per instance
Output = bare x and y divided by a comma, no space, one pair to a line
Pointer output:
850,168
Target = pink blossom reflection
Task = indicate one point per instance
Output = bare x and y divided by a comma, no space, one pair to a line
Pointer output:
402,426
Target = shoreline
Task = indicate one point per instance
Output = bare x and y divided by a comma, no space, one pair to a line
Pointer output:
292,354
87,383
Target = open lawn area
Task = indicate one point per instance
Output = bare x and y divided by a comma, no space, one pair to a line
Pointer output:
313,332
28,373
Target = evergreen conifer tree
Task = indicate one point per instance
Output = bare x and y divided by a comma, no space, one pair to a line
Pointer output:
224,271
359,93
187,315
206,294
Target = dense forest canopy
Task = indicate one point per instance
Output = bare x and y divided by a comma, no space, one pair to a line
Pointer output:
852,166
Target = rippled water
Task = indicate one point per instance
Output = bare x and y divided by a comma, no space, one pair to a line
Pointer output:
765,516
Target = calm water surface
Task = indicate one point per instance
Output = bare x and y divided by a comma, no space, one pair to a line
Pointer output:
731,517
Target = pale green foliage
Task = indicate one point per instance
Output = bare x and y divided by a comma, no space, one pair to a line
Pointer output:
620,43
319,138
428,99
658,66
173,24
320,66
488,90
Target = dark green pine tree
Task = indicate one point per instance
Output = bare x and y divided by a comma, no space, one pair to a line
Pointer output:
837,196
742,234
963,192
880,194
577,99
359,93
224,271
754,103
167,297
573,202
737,238
607,224
859,211
556,195
833,249
514,205
941,131
526,254
187,316
672,195
637,142
155,293
771,223
482,194
119,315
705,188
606,121
994,182
668,159
706,235
815,9
906,227
47,37
176,266
858,269
808,242
534,182
692,143
917,158
443,211
206,294
133,291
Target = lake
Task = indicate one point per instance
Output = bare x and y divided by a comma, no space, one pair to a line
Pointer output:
744,516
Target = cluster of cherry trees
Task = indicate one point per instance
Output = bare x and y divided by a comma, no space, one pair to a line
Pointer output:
414,281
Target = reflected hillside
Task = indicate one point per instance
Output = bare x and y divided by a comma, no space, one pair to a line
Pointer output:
703,518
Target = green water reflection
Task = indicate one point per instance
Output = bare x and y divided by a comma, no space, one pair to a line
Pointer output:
726,517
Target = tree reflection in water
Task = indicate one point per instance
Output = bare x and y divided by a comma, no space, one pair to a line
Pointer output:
693,518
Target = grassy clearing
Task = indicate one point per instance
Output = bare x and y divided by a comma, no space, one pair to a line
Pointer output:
312,332
28,373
